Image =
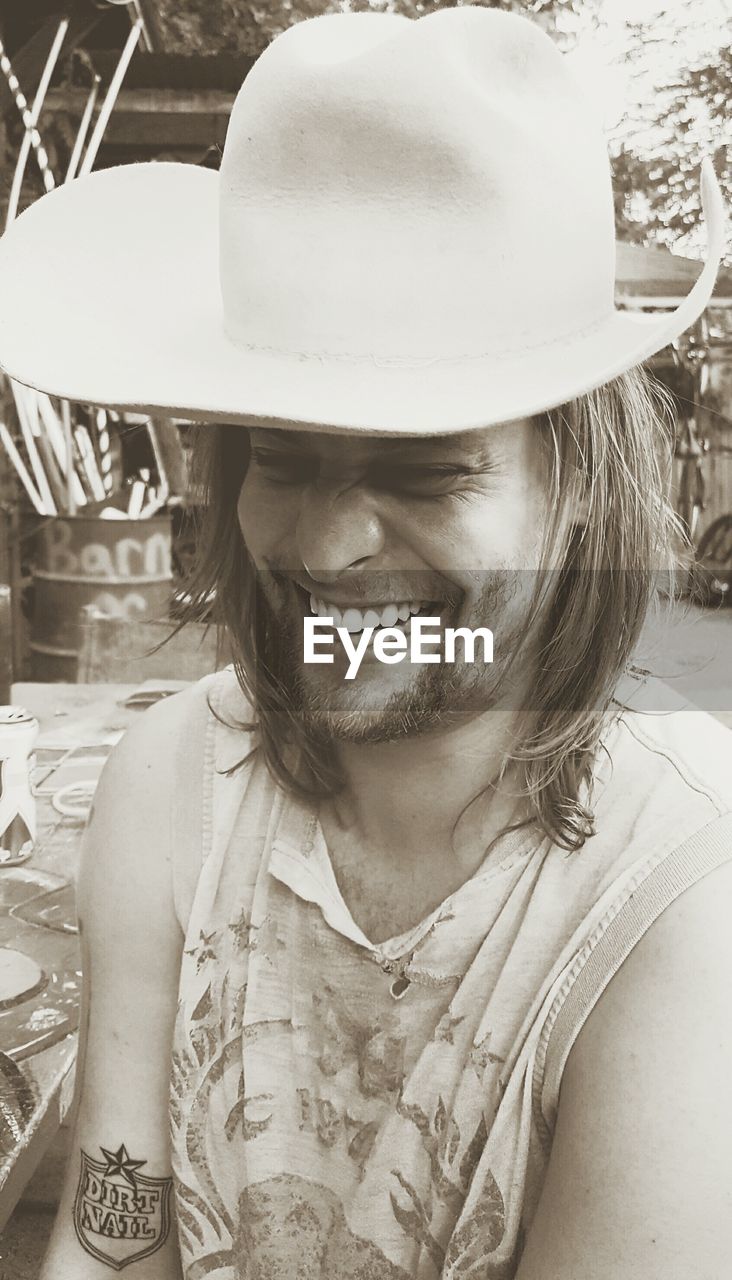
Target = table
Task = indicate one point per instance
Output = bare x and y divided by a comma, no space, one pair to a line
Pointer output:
36,917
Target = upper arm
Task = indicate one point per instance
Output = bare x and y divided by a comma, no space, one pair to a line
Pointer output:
639,1182
131,949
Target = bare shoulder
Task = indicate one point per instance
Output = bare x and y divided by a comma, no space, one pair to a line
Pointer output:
639,1184
674,977
148,792
148,746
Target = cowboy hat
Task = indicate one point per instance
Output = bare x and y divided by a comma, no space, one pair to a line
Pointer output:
411,232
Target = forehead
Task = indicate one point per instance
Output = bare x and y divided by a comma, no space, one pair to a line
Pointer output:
468,446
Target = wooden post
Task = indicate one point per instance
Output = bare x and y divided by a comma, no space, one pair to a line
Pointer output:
146,9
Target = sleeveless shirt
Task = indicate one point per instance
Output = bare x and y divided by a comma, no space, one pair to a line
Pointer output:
341,1110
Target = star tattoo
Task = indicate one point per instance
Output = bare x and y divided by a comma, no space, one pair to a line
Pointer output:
119,1164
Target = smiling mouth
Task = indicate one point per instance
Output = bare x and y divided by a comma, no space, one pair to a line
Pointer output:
390,614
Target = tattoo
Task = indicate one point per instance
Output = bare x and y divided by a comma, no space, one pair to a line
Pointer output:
117,1207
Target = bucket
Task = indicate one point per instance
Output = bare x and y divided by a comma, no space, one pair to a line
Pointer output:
121,567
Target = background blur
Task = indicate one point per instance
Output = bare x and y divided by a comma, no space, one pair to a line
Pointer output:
658,71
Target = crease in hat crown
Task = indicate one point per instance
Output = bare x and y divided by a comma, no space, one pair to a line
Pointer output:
413,191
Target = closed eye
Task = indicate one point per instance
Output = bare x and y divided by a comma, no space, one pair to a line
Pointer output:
425,481
286,468
279,466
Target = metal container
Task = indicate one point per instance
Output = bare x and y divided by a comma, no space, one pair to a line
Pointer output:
18,733
121,567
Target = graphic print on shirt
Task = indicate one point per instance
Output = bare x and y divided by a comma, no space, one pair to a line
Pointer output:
312,1241
452,1167
338,1039
320,1128
347,1051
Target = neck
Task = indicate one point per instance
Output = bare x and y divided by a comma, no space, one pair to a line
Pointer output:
440,788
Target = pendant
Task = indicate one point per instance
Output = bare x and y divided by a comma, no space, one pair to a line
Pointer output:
396,970
400,986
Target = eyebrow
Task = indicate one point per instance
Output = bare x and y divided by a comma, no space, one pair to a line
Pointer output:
400,450
404,449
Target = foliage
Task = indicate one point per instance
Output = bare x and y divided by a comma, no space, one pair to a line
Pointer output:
247,26
660,146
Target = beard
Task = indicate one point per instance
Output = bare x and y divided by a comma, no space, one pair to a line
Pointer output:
389,703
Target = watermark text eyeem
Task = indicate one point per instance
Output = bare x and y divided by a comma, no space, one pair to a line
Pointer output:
392,645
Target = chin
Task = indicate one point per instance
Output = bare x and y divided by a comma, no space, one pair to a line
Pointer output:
367,709
384,708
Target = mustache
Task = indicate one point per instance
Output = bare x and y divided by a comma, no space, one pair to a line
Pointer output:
368,585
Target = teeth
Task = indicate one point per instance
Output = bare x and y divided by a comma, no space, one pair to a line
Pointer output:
355,619
324,610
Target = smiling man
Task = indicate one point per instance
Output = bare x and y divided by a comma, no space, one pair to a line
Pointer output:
449,528
422,973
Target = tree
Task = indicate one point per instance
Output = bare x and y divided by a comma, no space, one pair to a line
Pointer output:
686,82
247,26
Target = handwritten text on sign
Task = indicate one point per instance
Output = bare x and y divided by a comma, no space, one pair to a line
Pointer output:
146,557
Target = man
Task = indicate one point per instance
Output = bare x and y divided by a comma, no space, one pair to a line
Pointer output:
346,935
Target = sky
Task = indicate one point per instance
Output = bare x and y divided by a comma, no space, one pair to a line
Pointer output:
685,27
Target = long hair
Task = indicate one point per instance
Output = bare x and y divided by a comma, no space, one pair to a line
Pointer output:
609,453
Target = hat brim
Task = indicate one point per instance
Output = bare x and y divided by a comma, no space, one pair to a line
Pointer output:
110,295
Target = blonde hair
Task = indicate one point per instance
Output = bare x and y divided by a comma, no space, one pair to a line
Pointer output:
612,452
609,452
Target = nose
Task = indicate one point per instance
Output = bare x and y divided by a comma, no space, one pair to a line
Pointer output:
337,532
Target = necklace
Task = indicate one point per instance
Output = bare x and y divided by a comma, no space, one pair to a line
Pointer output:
401,980
396,969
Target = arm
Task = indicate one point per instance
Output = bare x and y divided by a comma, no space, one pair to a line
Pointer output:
131,948
639,1184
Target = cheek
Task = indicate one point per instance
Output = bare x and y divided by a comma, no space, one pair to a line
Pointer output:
514,527
264,521
484,535
528,534
492,535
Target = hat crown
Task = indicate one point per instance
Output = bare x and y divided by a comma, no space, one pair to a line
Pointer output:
414,190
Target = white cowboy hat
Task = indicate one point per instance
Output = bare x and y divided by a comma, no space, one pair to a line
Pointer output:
412,232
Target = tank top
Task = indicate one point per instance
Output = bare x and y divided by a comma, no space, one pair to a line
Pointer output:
341,1110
